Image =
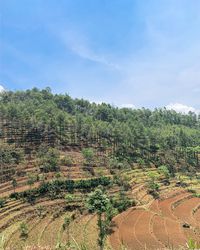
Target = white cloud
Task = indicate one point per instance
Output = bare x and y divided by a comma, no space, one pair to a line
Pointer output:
128,105
181,108
1,88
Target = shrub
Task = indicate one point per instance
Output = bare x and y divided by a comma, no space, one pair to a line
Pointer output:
164,170
2,202
66,223
88,154
48,160
55,188
23,230
122,202
66,161
40,210
69,198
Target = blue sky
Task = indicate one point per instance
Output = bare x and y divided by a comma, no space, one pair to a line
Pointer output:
142,53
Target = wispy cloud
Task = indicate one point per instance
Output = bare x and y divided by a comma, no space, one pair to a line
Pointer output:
150,57
79,45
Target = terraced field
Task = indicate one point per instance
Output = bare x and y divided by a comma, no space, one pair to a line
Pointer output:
153,224
48,230
166,222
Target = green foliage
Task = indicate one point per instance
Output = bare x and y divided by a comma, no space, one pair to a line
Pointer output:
40,210
66,223
122,202
14,183
30,197
2,202
66,161
58,175
9,155
193,245
164,170
88,154
99,202
48,160
23,230
162,136
153,176
69,198
31,179
55,188
197,195
153,186
122,181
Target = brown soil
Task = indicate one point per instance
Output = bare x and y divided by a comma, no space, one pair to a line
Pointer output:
159,226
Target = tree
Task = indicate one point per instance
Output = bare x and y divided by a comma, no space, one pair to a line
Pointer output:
23,230
14,183
99,202
31,180
69,198
88,154
66,225
153,186
164,170
2,202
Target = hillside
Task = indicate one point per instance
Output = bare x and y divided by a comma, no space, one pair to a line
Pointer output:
55,152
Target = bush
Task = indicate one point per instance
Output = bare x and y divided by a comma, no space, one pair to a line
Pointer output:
55,188
48,160
23,230
66,161
122,202
164,170
2,202
66,223
88,154
153,189
9,154
40,210
30,198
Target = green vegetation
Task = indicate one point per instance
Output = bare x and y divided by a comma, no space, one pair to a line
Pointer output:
2,202
88,154
57,188
55,149
142,136
48,159
23,230
99,202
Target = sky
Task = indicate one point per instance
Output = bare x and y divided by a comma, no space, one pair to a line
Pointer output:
130,53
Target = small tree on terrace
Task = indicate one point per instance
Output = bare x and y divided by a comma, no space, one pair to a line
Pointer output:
2,202
31,180
153,186
14,183
88,154
99,202
23,230
164,170
66,225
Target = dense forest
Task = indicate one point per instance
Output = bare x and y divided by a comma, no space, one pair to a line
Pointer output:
34,117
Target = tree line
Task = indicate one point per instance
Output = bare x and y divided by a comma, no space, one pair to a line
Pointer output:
34,117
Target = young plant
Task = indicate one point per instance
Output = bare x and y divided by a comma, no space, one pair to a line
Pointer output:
99,203
66,226
14,184
23,230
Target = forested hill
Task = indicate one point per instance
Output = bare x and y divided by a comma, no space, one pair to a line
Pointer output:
137,135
